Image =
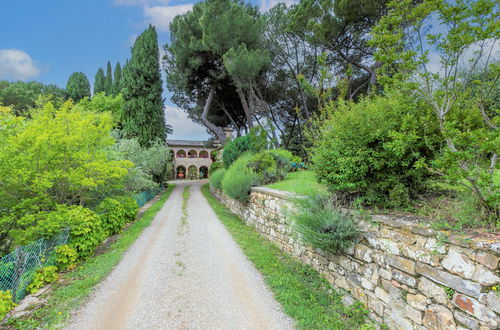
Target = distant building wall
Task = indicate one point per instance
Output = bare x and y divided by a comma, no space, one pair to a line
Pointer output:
190,154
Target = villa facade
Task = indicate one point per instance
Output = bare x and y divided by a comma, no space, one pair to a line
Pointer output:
191,159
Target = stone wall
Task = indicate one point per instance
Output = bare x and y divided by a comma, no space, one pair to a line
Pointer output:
408,275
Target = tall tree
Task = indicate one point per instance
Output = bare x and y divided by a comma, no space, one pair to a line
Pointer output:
78,86
99,82
109,80
117,81
143,116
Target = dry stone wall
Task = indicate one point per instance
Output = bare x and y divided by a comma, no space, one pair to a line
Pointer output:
408,275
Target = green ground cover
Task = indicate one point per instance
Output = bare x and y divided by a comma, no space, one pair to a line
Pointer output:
301,183
77,285
304,294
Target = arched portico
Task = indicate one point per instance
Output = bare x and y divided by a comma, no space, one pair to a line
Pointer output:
203,172
181,154
180,172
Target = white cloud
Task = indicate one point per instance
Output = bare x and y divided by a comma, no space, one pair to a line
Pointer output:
16,64
139,2
265,5
184,128
162,16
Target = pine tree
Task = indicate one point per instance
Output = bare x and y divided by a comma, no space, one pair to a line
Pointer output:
143,116
109,80
78,86
99,82
117,81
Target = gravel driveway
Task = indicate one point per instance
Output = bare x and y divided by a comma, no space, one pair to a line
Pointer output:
180,275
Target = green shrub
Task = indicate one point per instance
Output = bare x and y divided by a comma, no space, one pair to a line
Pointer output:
271,165
6,303
130,206
318,223
66,257
86,231
239,179
42,277
112,214
215,166
377,149
253,142
215,179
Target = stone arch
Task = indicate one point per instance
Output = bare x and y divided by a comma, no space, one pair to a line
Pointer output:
203,154
192,172
180,172
181,153
192,153
203,172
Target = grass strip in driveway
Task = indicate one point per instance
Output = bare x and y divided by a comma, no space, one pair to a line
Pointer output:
304,294
78,284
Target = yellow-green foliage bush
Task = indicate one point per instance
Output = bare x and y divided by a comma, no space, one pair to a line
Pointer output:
216,177
86,231
66,257
271,165
6,303
239,179
42,277
130,206
112,214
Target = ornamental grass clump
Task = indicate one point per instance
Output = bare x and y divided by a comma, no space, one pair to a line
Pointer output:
317,222
216,177
239,179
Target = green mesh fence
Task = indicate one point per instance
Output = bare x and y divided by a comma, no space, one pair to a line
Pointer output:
145,196
18,267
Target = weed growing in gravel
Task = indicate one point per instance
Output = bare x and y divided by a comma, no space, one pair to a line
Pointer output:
304,294
185,198
77,285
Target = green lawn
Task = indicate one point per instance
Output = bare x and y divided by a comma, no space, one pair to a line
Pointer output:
78,284
301,182
304,294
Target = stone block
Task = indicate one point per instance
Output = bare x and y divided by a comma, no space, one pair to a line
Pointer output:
493,301
473,307
385,274
457,263
438,317
417,301
376,305
485,276
432,290
467,321
488,260
453,281
382,295
363,252
413,314
401,263
404,278
432,245
389,246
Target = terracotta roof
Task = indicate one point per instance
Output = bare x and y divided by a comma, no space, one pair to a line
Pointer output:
186,143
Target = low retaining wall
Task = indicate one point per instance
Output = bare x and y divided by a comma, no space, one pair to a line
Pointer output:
408,275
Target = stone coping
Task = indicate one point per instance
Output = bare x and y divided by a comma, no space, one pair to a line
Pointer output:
484,241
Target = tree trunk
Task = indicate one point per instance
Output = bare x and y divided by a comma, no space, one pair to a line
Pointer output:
213,128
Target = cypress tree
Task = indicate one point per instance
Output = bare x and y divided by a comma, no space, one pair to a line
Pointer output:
99,82
143,116
117,81
78,86
109,80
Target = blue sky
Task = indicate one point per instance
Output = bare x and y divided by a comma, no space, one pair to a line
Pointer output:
48,40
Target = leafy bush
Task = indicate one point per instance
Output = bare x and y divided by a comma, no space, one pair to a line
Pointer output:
130,207
271,165
253,142
239,179
215,166
86,231
319,224
6,303
66,257
42,277
377,148
112,214
215,179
